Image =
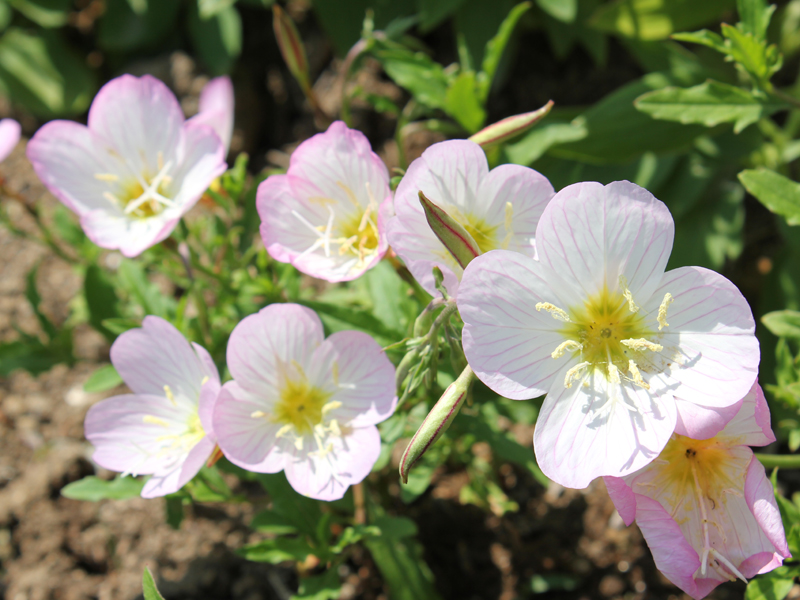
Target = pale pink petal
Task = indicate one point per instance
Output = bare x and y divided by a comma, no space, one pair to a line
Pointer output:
348,461
67,156
709,346
216,108
703,422
751,425
623,498
262,344
10,132
760,499
673,555
140,118
247,438
591,234
209,391
157,355
362,378
506,340
112,230
162,484
201,159
584,432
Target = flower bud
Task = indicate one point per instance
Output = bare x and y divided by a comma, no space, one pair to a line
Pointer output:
510,127
455,238
291,47
437,421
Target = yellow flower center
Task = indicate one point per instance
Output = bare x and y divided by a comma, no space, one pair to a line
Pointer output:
682,455
300,406
359,234
141,195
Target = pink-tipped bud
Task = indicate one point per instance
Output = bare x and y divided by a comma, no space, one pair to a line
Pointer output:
291,47
510,127
450,232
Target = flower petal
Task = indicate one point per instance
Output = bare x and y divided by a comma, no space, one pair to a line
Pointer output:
201,159
623,498
155,356
709,344
162,484
703,422
760,498
262,344
591,234
112,230
10,132
602,429
751,425
362,377
348,462
216,108
508,343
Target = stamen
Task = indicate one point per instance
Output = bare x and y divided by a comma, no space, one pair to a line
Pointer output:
204,380
151,192
641,344
334,428
111,198
335,373
613,373
636,376
704,519
557,313
258,414
568,346
509,217
109,177
349,193
662,311
151,420
632,306
574,373
727,563
327,234
170,395
283,430
332,405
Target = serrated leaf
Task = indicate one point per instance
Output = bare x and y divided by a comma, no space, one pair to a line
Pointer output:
709,104
752,54
93,489
783,323
754,16
104,378
779,194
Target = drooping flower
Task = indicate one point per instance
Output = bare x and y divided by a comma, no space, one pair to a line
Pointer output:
620,347
705,507
10,132
498,208
303,404
327,214
135,170
216,108
164,428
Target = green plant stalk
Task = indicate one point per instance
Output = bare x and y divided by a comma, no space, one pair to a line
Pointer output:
784,461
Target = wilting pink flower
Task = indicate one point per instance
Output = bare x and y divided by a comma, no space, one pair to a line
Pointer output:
216,108
303,404
705,507
135,170
498,208
327,214
164,427
9,136
620,347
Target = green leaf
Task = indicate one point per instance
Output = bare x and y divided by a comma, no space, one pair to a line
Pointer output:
133,278
395,528
320,587
495,48
127,26
121,325
34,299
343,21
533,145
755,16
779,194
104,378
173,508
277,550
403,568
703,37
416,72
783,323
355,317
463,104
562,10
656,19
149,589
93,489
433,12
769,587
299,511
29,354
47,13
269,521
752,54
477,22
43,74
709,104
101,299
209,8
5,15
218,39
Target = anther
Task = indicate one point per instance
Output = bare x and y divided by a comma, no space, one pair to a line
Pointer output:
636,376
557,313
109,177
332,405
170,395
283,430
613,373
641,344
258,414
632,306
151,420
568,346
662,311
574,373
204,380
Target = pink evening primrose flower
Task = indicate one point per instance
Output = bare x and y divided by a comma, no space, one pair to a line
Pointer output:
304,404
10,132
620,347
327,214
135,170
705,507
164,428
216,108
499,208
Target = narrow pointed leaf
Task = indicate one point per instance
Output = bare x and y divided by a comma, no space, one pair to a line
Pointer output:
291,46
779,194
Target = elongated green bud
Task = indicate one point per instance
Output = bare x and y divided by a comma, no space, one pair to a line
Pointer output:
510,127
291,47
450,232
437,421
411,358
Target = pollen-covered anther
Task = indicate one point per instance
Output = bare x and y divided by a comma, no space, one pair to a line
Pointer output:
557,313
574,373
568,346
623,284
662,311
636,376
332,405
641,344
258,414
613,373
169,394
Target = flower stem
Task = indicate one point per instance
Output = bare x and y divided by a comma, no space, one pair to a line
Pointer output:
784,461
